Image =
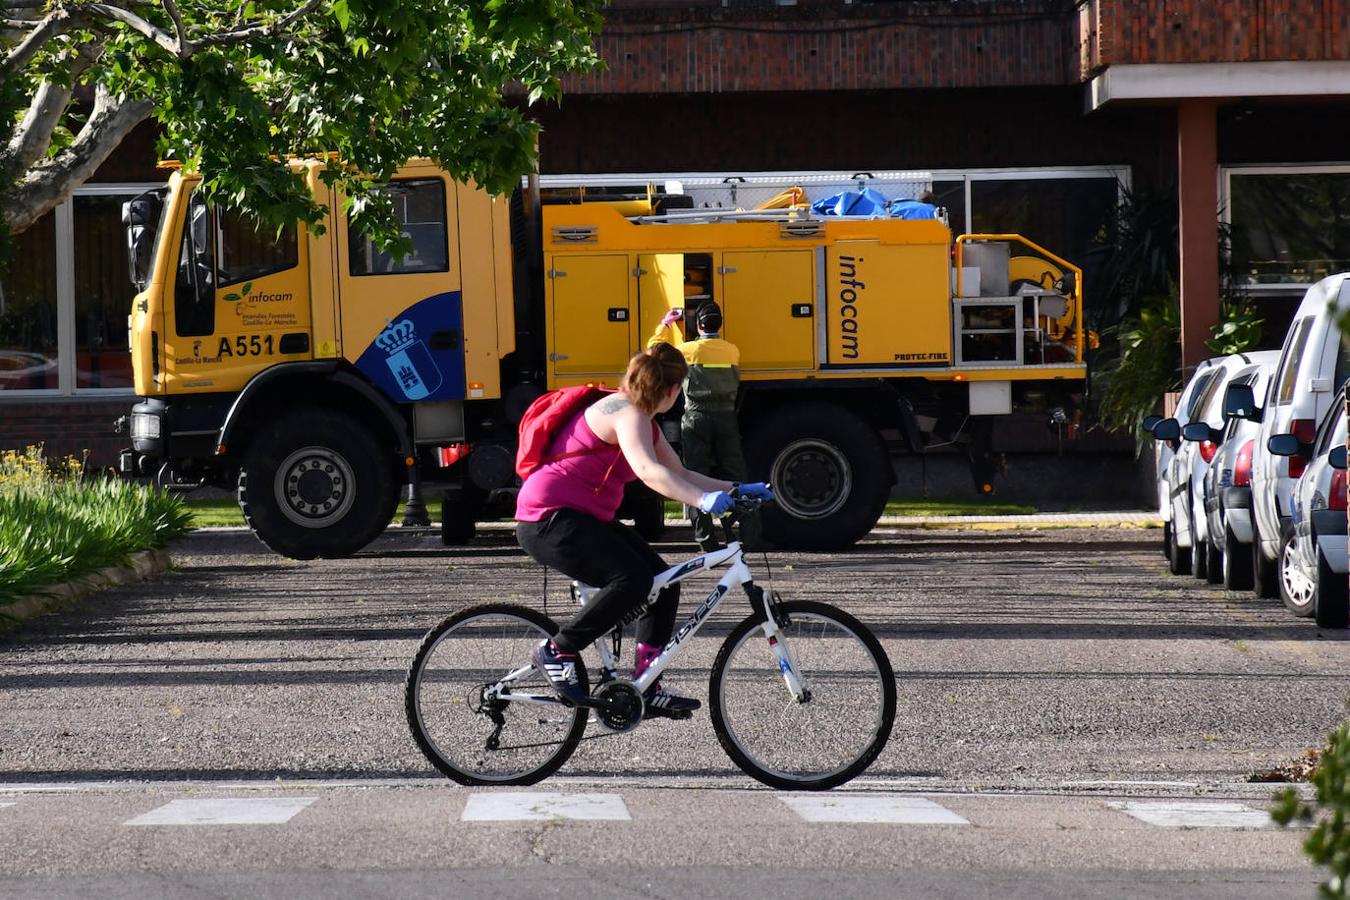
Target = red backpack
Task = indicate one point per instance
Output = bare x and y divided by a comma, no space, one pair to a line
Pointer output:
542,420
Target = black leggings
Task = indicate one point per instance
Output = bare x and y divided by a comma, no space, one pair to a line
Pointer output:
612,557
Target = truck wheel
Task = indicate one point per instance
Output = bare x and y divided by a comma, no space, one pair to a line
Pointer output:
830,474
316,484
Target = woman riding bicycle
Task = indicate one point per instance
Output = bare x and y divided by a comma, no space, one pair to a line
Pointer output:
566,513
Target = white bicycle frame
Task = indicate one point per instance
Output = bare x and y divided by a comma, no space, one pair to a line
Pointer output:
738,575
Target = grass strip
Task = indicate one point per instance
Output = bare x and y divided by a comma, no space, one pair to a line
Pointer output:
55,526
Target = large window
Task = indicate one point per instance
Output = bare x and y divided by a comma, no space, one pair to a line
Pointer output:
65,299
247,250
103,292
28,312
1289,226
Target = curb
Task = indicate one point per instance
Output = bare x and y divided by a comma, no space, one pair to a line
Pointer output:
139,566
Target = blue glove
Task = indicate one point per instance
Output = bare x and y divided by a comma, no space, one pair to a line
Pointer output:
716,502
755,491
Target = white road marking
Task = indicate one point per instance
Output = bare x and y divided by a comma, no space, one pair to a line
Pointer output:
233,811
1194,814
892,810
6,804
542,806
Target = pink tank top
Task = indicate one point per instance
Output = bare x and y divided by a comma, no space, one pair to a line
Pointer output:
591,481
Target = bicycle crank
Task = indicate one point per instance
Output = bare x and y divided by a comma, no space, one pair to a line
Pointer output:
617,705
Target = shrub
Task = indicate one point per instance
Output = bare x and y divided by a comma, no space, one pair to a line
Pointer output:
1329,842
58,522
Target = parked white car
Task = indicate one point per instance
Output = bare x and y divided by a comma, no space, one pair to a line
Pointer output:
1227,483
1167,446
1313,557
1313,364
1185,476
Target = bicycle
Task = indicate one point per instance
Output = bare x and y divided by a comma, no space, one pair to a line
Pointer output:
810,714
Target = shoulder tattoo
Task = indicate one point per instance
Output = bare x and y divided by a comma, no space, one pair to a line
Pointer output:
611,404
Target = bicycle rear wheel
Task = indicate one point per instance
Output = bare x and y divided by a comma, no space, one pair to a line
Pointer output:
824,741
478,740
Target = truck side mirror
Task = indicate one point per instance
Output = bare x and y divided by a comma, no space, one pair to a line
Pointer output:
140,215
1200,431
1151,422
1167,430
1240,403
1284,445
1336,458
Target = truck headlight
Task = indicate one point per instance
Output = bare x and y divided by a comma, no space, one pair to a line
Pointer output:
145,426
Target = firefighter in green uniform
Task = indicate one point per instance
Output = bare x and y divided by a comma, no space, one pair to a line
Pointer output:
709,434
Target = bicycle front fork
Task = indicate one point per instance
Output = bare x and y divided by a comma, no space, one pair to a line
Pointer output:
768,608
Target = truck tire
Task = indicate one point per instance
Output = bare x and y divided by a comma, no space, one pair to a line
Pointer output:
830,473
317,484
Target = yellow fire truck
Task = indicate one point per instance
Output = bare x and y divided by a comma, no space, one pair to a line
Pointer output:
318,376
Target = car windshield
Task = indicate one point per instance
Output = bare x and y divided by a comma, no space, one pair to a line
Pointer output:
1293,356
1200,385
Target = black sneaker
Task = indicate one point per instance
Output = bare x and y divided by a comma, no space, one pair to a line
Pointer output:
658,702
560,668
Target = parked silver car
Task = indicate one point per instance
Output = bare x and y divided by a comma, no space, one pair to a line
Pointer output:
1313,559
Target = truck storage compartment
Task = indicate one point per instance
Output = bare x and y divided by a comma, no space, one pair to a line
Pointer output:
879,304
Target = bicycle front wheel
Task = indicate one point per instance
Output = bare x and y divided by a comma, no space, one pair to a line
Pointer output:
465,723
829,737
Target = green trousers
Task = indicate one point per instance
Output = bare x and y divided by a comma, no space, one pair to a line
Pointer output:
710,442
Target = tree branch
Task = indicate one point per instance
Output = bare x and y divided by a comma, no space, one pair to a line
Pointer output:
57,22
183,44
33,135
270,29
52,182
139,25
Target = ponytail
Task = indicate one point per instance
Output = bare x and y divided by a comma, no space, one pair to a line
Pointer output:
651,374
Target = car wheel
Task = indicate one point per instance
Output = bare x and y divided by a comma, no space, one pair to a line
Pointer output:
1178,558
1167,540
1265,572
1237,562
1298,589
1333,596
1199,555
1213,562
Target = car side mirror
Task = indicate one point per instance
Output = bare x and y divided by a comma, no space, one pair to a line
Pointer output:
1240,403
1337,457
1284,445
1167,430
1151,422
1200,431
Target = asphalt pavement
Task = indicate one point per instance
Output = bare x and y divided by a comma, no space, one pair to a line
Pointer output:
1045,676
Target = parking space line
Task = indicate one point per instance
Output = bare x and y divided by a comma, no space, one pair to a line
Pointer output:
225,811
894,809
543,806
1194,814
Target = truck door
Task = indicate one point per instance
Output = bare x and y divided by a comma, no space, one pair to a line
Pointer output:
660,289
402,317
591,323
768,307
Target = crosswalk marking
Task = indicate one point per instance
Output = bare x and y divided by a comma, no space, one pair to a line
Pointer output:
496,807
1194,814
889,809
223,811
6,804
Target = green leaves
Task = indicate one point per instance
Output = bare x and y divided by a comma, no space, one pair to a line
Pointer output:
372,82
1328,844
